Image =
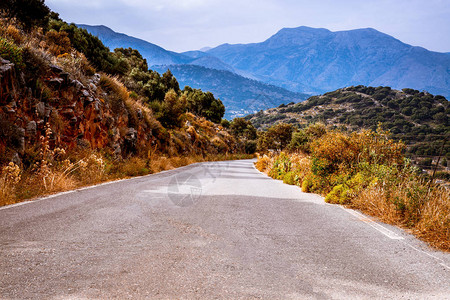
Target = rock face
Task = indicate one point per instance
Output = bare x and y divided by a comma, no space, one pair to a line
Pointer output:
79,114
83,116
7,82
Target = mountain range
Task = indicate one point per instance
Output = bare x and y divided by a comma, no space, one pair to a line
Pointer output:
301,60
318,60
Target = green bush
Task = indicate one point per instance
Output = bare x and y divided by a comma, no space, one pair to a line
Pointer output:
290,178
339,195
11,52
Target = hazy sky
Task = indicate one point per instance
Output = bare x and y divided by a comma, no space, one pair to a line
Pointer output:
181,25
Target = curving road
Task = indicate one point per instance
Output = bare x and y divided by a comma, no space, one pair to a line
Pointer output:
209,230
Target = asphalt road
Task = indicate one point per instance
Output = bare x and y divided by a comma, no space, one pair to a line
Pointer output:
210,230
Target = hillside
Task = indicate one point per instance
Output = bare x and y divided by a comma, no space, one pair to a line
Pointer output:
240,95
317,60
420,119
201,70
72,113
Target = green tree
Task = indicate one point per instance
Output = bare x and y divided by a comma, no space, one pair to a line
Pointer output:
277,137
242,128
204,104
30,13
171,109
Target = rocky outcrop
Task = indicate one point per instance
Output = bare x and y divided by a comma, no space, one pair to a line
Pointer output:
7,82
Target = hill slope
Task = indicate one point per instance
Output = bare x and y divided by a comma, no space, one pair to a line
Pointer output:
240,95
418,118
318,60
201,70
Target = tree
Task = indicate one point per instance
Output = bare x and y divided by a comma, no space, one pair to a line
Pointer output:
172,109
30,13
204,104
242,128
170,82
277,137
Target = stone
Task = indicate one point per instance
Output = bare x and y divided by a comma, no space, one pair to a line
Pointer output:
97,106
56,69
93,87
85,93
40,109
4,61
16,159
96,78
31,129
21,146
43,110
78,85
88,100
56,82
131,134
48,110
130,140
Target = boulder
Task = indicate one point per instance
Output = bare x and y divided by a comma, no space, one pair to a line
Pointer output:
31,129
43,110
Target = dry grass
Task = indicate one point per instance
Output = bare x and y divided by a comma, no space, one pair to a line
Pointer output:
434,226
9,178
371,176
264,163
432,222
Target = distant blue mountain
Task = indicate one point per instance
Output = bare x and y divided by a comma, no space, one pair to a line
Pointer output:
318,60
201,70
303,60
154,54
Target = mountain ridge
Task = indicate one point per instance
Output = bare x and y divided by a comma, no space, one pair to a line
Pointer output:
321,60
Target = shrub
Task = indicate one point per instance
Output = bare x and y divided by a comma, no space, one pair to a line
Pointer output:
10,176
58,42
29,13
281,166
290,178
11,52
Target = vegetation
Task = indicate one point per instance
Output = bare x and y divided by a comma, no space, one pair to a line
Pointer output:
29,13
419,119
63,125
365,170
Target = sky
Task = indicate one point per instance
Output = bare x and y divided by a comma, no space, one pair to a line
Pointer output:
183,25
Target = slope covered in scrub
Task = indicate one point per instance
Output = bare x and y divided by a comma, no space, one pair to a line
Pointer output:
74,113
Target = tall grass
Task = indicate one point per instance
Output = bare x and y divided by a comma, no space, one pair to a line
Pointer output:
367,171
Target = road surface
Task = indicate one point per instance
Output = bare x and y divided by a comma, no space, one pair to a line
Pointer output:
209,230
